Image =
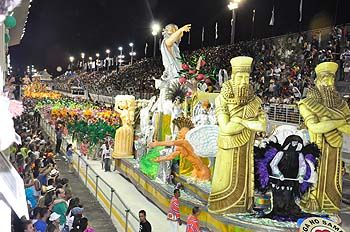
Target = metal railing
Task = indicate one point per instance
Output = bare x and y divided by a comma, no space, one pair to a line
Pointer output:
283,113
104,193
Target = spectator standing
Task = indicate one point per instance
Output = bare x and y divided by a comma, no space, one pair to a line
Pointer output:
28,226
59,134
37,187
84,225
35,214
192,221
30,191
60,207
345,58
41,224
37,117
106,156
54,225
69,155
145,226
84,149
174,212
296,92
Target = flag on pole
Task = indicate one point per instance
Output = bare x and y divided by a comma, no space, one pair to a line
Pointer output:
272,20
301,11
146,46
319,39
216,31
203,34
253,18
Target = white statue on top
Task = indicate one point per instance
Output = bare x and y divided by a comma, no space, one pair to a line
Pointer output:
171,60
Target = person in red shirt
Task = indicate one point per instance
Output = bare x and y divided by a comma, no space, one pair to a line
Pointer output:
84,148
174,212
192,221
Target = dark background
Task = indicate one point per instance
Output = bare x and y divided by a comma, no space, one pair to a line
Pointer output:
57,29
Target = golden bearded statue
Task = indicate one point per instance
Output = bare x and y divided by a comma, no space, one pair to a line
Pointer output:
327,117
240,116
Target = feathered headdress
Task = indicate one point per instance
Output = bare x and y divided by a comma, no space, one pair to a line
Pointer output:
176,91
183,122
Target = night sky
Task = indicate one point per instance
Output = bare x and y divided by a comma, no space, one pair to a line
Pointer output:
57,29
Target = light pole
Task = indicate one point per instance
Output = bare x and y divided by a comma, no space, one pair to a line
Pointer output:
155,31
232,6
132,53
108,52
97,60
82,57
71,60
253,22
90,63
121,56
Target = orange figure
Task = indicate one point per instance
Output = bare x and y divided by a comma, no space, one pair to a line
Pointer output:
183,148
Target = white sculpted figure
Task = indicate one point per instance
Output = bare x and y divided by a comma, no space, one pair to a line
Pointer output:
145,115
205,115
171,61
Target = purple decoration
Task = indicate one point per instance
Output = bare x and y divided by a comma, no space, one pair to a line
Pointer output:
262,167
305,185
311,158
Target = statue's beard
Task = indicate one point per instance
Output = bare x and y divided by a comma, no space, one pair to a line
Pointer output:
329,95
241,94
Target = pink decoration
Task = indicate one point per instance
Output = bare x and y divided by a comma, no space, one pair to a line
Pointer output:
16,108
200,77
185,67
182,80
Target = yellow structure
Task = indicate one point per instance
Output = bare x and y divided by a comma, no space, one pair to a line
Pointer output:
240,116
327,117
124,136
36,89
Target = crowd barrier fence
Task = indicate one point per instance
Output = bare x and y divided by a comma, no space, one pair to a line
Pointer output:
104,193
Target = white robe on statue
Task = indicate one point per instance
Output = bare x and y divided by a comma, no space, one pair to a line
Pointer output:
172,65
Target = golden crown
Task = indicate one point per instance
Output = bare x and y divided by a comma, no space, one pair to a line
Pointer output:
241,64
326,67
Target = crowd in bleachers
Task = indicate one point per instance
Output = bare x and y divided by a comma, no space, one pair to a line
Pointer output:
138,78
51,204
283,68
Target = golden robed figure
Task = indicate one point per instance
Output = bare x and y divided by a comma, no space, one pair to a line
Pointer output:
327,117
240,116
124,136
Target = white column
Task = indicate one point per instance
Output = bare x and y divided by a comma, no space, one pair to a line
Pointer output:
3,48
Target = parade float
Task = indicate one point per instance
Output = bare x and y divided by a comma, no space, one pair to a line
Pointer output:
36,89
83,122
207,135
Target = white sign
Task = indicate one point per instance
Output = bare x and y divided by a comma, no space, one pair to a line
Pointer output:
316,224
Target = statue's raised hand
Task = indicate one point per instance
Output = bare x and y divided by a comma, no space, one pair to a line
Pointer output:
186,28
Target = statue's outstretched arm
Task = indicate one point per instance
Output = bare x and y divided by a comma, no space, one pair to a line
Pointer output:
176,36
178,142
319,127
168,157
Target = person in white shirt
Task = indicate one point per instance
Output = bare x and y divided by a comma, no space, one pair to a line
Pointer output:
296,93
106,156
